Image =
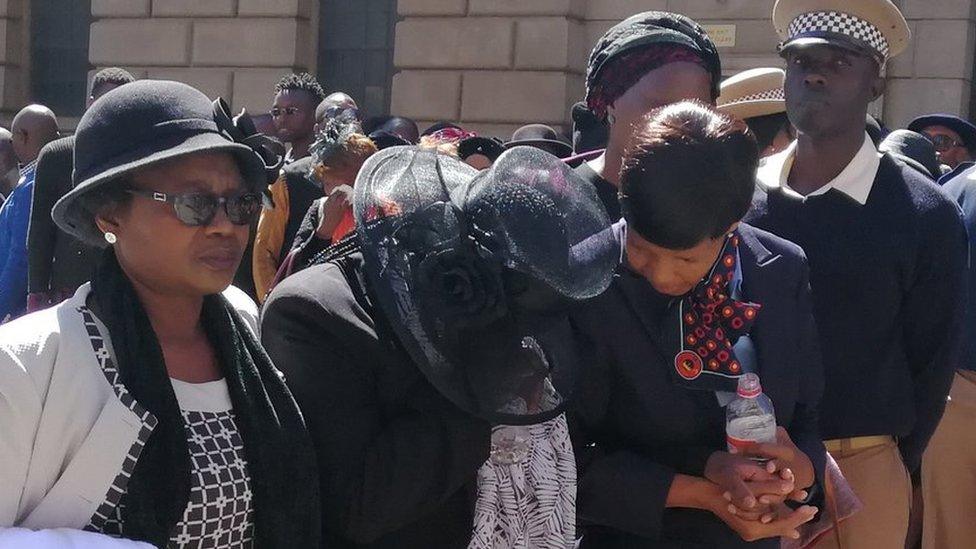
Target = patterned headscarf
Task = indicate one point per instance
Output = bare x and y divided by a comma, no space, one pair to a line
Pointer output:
622,73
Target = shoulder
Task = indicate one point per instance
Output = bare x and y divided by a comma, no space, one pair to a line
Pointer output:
776,245
928,201
29,346
322,291
962,187
243,304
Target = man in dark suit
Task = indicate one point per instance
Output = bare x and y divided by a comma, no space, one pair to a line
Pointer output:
700,300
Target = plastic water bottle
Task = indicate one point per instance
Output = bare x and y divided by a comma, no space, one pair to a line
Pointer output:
749,419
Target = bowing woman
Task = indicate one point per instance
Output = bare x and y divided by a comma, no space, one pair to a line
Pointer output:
432,356
649,423
144,408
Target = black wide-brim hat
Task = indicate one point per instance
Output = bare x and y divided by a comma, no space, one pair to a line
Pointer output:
140,124
965,128
540,136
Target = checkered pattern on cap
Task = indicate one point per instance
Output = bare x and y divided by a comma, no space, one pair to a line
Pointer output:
765,95
839,23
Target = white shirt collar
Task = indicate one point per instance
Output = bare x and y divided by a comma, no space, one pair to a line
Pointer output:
856,180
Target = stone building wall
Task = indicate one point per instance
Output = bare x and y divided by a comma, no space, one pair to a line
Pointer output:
236,49
497,64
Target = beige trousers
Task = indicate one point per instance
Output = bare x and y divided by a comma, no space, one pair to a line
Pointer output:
949,472
879,478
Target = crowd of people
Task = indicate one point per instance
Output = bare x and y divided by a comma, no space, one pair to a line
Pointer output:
313,327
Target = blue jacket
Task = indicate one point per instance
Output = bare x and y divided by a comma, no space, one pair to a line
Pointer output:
14,221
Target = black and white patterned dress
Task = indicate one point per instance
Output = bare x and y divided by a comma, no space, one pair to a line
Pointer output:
529,503
220,513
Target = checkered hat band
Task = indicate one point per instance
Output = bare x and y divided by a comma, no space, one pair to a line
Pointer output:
839,23
767,95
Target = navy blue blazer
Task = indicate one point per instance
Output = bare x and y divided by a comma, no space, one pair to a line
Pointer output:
634,428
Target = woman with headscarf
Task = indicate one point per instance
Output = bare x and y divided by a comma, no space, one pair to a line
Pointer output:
645,61
144,408
432,356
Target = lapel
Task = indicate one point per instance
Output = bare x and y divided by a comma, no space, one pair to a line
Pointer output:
95,473
764,281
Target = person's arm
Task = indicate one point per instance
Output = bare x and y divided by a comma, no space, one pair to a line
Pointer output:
377,473
14,218
934,307
64,538
42,233
21,405
268,238
804,429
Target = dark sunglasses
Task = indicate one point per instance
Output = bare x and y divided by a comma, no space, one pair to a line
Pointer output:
942,142
197,209
276,111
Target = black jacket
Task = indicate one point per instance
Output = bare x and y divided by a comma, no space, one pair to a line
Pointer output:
302,191
397,461
634,428
56,260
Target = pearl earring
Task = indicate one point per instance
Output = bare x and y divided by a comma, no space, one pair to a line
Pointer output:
611,119
110,237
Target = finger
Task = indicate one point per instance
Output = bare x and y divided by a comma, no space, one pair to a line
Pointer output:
799,495
779,452
781,488
746,515
740,495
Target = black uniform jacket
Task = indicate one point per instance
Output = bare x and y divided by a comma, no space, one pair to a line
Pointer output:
634,428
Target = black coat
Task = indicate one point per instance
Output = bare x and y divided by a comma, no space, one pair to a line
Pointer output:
397,461
56,260
634,428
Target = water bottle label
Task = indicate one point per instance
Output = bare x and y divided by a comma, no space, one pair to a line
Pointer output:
739,446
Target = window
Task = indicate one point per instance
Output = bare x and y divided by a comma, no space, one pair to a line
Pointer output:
356,50
59,54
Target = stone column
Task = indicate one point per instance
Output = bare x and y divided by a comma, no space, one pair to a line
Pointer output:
935,73
491,65
235,49
14,58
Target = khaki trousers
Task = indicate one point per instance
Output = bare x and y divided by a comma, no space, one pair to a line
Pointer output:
949,472
880,480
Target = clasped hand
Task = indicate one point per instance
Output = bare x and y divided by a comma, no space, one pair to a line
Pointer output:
751,495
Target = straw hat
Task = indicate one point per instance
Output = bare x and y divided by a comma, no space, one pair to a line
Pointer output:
752,93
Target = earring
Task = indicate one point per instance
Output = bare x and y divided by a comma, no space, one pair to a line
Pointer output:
110,237
611,119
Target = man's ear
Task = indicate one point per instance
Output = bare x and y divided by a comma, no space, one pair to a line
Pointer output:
878,87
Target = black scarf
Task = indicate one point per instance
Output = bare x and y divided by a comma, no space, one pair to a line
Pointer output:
279,454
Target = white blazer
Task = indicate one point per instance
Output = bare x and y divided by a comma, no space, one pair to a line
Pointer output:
65,427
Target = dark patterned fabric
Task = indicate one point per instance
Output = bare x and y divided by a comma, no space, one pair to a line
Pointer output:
814,23
711,320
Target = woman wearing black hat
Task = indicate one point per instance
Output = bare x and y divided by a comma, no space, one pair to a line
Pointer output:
646,61
444,315
144,407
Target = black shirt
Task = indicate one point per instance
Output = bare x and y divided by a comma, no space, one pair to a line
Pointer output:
605,190
888,291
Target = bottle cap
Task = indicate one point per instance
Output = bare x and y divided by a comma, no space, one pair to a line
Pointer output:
749,386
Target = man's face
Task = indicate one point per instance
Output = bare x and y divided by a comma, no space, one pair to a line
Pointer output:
293,113
828,89
949,145
662,86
